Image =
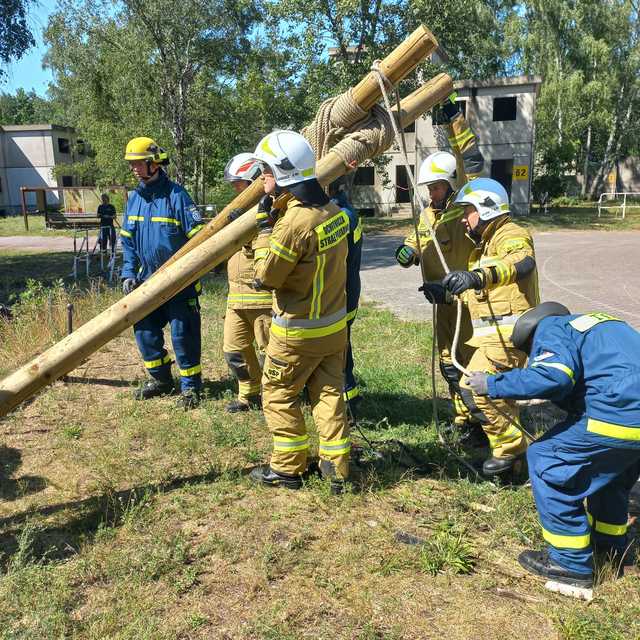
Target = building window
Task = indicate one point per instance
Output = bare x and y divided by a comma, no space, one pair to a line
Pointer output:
505,108
402,183
367,212
63,145
502,171
365,176
463,106
410,128
80,147
67,181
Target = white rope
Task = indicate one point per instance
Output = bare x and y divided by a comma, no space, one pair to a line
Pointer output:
383,82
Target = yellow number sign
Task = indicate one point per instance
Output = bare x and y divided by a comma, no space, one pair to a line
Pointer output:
521,172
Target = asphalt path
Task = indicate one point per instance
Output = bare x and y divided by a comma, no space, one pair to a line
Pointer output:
585,270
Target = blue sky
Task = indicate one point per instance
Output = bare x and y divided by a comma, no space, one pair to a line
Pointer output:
28,73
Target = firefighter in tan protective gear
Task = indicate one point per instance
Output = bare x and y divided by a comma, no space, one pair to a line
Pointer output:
248,313
443,173
500,285
306,270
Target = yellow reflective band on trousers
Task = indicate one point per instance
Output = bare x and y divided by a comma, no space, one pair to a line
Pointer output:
258,297
249,388
289,445
606,528
351,315
512,434
351,394
125,233
610,430
318,286
167,220
304,329
335,447
566,542
194,231
284,252
556,365
191,371
152,364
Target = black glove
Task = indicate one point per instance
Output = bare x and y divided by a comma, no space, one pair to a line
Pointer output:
435,293
406,256
128,285
459,281
477,380
234,214
444,113
264,218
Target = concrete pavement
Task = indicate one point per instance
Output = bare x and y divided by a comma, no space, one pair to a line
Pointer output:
586,270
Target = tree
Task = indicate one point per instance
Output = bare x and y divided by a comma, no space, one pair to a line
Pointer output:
135,68
25,108
588,54
15,35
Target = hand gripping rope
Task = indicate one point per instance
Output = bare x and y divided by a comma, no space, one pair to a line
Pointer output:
384,82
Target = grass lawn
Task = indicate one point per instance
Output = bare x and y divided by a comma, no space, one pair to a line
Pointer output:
129,520
560,218
14,226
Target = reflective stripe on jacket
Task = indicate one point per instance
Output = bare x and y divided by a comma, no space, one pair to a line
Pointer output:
159,219
305,267
590,366
503,244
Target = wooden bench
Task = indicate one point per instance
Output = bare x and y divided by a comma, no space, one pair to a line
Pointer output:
57,220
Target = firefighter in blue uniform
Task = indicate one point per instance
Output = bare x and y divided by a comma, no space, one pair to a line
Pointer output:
160,217
337,192
589,365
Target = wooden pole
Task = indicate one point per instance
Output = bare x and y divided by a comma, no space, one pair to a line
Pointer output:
24,209
67,354
329,168
396,66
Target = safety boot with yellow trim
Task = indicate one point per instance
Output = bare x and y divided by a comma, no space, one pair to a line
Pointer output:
266,476
154,388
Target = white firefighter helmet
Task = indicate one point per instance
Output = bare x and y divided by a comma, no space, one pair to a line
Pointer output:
288,155
242,167
440,165
488,196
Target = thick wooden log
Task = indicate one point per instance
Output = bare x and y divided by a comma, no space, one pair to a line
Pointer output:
67,354
396,66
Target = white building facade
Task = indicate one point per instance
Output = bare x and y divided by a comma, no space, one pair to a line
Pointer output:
28,154
501,113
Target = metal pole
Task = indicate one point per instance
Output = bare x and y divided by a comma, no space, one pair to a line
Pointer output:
69,318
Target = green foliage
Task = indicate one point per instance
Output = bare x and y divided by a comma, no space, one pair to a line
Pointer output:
25,108
15,34
447,550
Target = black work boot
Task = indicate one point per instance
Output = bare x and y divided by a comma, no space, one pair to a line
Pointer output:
154,388
265,475
472,435
539,563
189,399
328,472
237,406
501,466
